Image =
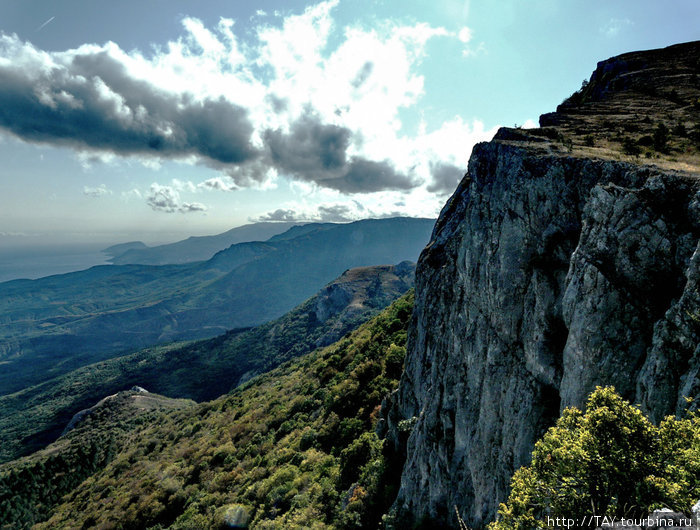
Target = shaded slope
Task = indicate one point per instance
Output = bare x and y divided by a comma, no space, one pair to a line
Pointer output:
60,323
290,449
202,370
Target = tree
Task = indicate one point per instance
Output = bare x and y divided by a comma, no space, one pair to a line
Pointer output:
610,460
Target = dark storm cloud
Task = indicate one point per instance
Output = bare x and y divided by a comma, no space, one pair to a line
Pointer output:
90,101
317,152
445,178
311,150
363,176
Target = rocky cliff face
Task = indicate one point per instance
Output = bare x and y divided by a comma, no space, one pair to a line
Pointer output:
558,264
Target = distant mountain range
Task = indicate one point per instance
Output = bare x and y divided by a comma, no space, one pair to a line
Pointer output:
195,248
54,325
205,369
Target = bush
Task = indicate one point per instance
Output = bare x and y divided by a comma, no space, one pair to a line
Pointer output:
661,137
609,461
629,147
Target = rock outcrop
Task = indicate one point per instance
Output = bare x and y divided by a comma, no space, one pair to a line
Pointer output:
556,266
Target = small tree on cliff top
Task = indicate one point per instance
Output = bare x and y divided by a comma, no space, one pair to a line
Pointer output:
610,460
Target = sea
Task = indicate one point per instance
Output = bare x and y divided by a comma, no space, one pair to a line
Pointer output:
36,262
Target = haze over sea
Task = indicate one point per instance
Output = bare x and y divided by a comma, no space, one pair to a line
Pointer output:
37,262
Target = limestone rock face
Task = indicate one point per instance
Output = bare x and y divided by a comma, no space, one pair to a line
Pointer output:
545,276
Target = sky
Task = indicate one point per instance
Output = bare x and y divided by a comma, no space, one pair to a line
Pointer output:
155,120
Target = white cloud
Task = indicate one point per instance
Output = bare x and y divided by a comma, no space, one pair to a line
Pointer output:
470,51
167,199
219,183
247,110
133,193
465,34
614,26
99,191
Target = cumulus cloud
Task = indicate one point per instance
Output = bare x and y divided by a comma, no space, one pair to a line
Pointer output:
99,191
324,213
317,153
445,178
88,99
219,183
167,199
303,100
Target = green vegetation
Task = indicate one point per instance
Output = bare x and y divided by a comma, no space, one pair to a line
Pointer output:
610,460
201,370
629,147
661,137
292,448
32,486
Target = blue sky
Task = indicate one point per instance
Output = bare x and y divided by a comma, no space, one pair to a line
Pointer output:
160,119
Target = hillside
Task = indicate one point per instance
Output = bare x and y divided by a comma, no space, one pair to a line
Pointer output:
195,248
54,325
565,259
31,486
291,448
201,370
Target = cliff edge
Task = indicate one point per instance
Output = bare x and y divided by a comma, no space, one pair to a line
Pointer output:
568,257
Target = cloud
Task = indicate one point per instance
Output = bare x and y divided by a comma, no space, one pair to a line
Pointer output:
324,213
302,99
362,75
614,26
167,199
316,152
281,214
338,213
445,178
99,191
219,183
134,192
465,34
88,99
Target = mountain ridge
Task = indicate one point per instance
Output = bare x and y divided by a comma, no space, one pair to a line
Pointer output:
205,369
54,324
193,248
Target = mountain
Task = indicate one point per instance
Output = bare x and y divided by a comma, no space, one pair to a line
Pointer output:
31,486
56,324
568,257
195,248
291,448
205,369
121,248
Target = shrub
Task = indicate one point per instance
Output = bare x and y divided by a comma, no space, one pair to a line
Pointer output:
629,147
661,137
609,461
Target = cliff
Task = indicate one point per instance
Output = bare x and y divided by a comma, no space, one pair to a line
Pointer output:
568,257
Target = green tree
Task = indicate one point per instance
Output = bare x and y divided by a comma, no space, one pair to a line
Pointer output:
610,460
